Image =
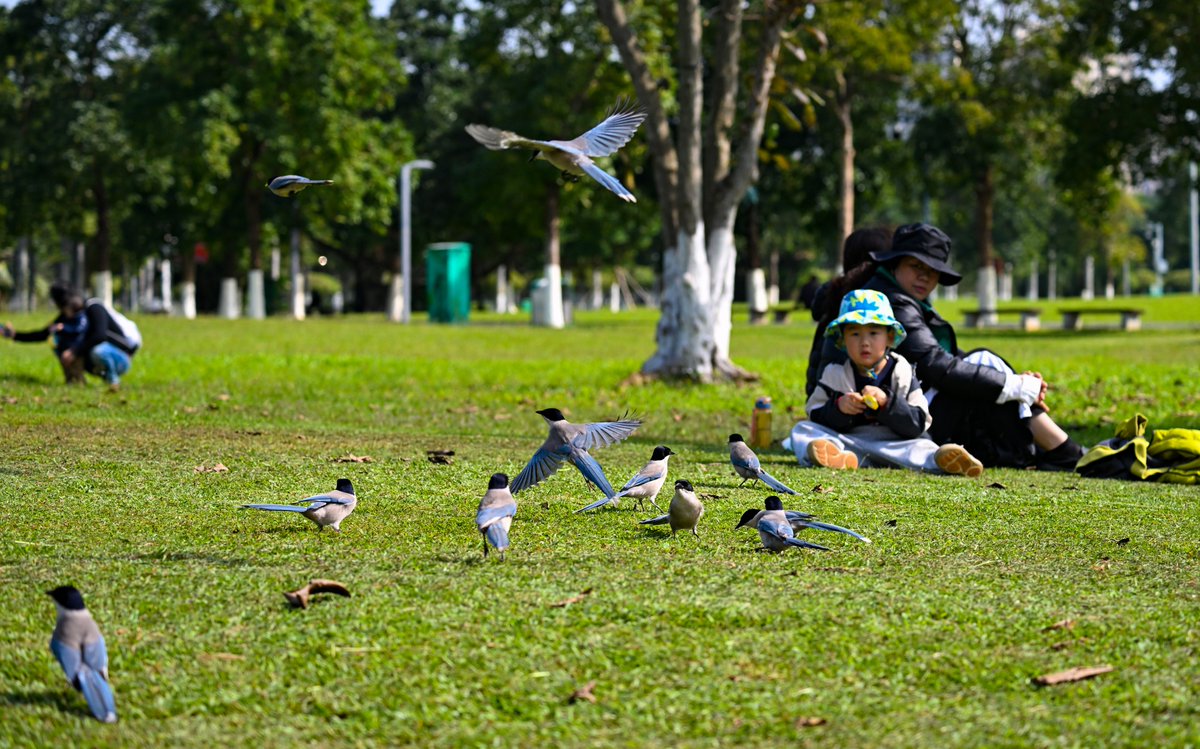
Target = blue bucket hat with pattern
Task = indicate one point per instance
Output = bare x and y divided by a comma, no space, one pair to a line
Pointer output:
865,307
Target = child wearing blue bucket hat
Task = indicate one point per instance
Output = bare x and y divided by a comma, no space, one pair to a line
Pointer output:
870,410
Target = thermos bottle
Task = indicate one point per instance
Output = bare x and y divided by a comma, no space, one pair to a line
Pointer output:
760,423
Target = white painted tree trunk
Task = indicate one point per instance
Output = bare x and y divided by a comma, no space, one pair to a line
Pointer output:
165,278
298,296
188,299
1032,294
1089,278
102,287
256,301
986,289
396,298
757,297
554,317
502,289
229,306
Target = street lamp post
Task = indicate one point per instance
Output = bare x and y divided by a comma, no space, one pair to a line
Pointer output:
400,310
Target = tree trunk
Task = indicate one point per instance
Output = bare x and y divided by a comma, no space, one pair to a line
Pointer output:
552,310
103,236
842,109
986,285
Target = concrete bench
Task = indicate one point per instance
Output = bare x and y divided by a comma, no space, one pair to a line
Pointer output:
1131,318
780,312
1030,317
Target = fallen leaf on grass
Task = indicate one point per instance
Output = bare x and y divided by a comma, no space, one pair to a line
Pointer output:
1079,673
891,523
996,485
545,505
502,416
1102,565
810,722
583,693
10,400
821,489
190,409
710,496
573,599
299,598
352,458
1122,542
223,397
215,468
440,457
1068,643
252,432
1064,624
221,657
677,416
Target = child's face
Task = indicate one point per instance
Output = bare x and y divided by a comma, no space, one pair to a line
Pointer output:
866,344
916,278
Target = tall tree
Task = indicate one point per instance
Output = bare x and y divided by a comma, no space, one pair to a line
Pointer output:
701,173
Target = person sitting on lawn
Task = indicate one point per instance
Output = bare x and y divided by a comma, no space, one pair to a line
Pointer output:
976,398
87,337
869,409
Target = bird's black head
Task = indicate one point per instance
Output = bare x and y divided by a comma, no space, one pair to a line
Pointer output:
773,503
344,485
68,597
747,516
661,452
498,481
684,484
552,414
735,437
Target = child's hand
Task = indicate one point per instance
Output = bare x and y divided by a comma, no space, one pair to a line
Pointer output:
1041,399
851,404
7,331
56,327
871,393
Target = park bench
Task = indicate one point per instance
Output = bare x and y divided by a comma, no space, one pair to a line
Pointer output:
781,312
1030,317
1131,317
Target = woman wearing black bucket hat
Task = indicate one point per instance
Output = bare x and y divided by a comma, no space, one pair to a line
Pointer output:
975,398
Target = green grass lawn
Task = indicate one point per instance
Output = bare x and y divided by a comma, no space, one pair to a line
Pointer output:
927,637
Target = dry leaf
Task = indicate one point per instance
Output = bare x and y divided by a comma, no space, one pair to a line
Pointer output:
10,400
223,397
810,722
572,599
216,468
1068,643
1078,673
213,406
221,657
440,457
996,485
1122,542
299,598
190,409
891,523
583,693
502,416
709,496
821,489
545,505
1064,624
352,458
676,416
252,432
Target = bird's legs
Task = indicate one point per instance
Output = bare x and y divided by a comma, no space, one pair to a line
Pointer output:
485,548
744,483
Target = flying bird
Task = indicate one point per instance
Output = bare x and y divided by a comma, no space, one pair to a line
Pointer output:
79,648
328,509
777,527
496,511
683,513
746,464
290,184
574,157
571,442
644,486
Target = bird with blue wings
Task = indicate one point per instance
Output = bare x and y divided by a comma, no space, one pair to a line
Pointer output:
571,442
79,648
574,157
644,486
777,528
497,509
290,184
683,513
326,510
745,464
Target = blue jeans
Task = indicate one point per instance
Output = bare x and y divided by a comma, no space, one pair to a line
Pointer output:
110,362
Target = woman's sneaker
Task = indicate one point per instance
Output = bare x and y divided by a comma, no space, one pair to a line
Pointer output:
955,460
826,453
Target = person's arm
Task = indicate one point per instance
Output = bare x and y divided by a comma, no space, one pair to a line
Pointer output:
938,368
29,336
907,418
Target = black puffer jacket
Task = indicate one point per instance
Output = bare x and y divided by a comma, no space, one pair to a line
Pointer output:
936,367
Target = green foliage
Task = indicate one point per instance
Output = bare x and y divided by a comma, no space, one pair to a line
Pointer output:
928,636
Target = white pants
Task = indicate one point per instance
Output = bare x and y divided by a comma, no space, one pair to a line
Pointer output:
916,454
985,358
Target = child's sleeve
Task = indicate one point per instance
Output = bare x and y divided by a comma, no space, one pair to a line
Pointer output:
908,418
822,405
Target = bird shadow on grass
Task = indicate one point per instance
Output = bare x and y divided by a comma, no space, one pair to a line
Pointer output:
62,700
191,556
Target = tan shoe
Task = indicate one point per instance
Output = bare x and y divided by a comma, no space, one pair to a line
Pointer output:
955,460
826,453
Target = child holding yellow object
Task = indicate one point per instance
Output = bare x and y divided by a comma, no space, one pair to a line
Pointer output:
870,410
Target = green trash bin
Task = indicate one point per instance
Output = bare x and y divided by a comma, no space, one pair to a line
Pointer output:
448,281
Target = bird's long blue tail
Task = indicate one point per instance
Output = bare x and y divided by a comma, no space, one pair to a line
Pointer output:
835,529
660,520
592,471
497,536
599,503
98,694
774,483
276,508
805,544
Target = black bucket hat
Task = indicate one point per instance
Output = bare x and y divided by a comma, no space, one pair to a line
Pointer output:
926,243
